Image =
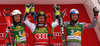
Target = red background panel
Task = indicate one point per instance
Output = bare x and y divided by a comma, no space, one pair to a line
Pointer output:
89,37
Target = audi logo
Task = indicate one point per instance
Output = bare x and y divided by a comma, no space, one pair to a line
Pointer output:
41,36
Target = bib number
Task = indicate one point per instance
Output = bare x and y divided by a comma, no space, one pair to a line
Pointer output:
72,32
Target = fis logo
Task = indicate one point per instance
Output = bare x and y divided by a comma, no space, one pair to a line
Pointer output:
2,36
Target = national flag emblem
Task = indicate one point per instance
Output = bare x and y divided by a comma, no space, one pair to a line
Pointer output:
87,25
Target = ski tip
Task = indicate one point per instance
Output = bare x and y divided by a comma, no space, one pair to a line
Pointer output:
7,9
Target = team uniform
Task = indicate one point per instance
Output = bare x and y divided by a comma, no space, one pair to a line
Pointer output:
40,34
18,29
74,33
39,31
19,33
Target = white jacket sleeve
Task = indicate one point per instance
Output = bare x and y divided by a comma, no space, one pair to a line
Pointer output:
54,24
30,25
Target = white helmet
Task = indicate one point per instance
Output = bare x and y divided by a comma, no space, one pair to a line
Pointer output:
16,12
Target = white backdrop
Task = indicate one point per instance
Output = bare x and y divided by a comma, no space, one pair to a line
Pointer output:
89,8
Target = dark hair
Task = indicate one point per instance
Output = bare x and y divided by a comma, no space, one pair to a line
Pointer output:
14,22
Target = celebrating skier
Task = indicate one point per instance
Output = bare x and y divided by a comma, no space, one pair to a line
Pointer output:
74,28
39,30
18,29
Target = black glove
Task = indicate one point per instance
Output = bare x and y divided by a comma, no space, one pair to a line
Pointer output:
32,5
8,43
58,17
25,16
29,5
56,8
96,11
